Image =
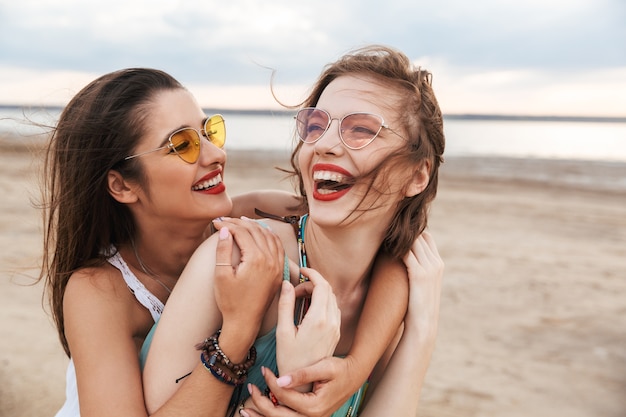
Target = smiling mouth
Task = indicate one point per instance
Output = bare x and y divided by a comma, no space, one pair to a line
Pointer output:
208,184
328,182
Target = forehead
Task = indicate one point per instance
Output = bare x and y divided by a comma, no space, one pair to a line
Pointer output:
172,109
351,93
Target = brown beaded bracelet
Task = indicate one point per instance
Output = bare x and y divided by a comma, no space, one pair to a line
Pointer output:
219,373
216,361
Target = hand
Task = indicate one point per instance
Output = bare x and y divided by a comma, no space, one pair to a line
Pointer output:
258,405
425,268
320,402
244,291
318,334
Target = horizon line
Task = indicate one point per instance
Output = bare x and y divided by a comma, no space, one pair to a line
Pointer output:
451,116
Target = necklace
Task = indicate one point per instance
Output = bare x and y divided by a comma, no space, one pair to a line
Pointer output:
145,269
304,304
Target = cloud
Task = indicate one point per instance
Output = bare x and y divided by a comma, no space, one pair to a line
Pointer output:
509,45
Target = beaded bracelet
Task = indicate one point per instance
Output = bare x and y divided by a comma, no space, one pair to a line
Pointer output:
211,346
216,361
219,373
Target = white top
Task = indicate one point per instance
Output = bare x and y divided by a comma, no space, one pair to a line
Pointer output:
145,297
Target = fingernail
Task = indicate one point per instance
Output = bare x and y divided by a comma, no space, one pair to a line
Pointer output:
218,219
249,386
263,370
243,413
283,381
245,218
224,233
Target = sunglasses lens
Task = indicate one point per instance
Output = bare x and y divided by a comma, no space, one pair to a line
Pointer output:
215,129
186,144
311,124
360,129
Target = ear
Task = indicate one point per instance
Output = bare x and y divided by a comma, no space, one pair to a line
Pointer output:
119,188
420,180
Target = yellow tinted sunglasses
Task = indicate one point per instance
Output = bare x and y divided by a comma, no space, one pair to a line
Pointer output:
185,142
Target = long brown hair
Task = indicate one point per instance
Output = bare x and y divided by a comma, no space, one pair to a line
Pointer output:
99,127
421,117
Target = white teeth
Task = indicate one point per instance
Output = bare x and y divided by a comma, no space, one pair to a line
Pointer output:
209,183
324,191
328,176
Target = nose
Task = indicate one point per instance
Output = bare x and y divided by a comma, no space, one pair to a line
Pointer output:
210,154
330,141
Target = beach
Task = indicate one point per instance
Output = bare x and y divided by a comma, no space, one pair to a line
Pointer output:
533,311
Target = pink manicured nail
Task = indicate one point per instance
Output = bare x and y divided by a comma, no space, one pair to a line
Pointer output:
243,413
249,388
283,381
224,233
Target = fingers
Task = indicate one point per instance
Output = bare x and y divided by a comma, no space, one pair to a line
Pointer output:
260,248
323,311
264,405
247,231
423,254
322,370
319,290
224,252
288,397
256,272
304,289
286,306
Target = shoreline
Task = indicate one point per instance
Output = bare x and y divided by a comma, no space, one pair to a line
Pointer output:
450,116
591,175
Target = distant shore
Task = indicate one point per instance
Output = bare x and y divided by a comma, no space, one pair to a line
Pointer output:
463,116
605,176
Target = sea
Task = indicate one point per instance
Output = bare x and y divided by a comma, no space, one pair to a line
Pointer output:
565,138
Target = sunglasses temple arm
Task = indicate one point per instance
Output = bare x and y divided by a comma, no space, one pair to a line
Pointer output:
146,152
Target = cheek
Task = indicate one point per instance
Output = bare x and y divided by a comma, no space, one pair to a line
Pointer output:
304,162
304,155
390,182
170,178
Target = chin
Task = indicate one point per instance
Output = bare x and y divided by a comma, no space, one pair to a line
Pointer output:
329,215
221,207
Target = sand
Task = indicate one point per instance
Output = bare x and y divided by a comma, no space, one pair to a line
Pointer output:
533,315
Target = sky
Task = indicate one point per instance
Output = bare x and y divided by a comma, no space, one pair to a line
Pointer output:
531,57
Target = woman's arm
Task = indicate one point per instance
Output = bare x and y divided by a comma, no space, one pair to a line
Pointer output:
376,334
97,306
103,322
277,202
206,298
397,392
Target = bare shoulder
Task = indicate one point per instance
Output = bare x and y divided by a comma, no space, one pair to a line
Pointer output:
96,284
97,304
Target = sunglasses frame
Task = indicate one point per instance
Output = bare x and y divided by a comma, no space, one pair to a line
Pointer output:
340,120
201,133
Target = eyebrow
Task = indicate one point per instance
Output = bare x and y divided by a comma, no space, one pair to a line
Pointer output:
170,133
